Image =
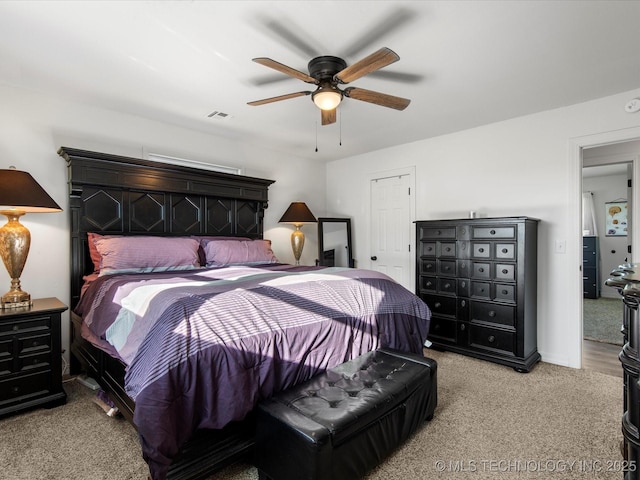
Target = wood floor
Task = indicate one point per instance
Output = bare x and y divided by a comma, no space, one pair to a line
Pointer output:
601,357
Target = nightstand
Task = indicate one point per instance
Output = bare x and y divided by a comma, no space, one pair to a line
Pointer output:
31,357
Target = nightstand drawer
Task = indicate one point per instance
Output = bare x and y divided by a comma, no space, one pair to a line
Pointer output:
28,325
34,343
25,386
31,357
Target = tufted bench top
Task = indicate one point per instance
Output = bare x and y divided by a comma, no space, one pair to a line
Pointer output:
356,393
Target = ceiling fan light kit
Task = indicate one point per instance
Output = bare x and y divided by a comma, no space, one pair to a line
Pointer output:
327,98
327,72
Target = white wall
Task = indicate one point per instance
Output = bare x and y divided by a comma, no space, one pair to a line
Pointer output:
33,127
517,167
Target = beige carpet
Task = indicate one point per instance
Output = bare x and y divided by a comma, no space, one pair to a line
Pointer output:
491,422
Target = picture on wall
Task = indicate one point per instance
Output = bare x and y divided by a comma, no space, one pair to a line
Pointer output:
616,218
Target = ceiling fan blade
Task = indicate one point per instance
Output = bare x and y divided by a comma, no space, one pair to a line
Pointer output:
382,99
375,61
390,22
404,77
328,116
278,98
267,62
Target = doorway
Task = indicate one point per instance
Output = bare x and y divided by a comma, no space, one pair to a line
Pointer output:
607,172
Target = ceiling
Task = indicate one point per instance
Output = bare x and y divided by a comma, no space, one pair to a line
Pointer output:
462,63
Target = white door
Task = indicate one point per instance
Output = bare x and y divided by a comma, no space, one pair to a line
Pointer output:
391,228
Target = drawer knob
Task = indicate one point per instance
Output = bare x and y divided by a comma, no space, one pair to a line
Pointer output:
463,284
446,268
15,389
481,250
504,292
463,327
439,232
447,286
16,328
505,271
437,305
491,339
492,232
504,250
429,284
463,303
448,249
35,343
492,313
481,269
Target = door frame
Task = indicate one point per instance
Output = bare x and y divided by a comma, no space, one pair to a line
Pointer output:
575,147
397,172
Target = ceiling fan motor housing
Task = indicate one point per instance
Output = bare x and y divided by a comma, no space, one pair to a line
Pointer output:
325,67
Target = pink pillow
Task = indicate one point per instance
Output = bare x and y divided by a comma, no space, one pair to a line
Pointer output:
238,252
93,251
146,254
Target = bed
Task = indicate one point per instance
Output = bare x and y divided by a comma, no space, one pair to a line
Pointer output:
194,346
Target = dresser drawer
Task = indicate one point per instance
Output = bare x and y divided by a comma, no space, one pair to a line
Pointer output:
33,361
504,293
448,249
29,325
481,250
428,284
464,287
34,343
464,268
447,267
481,270
442,329
493,313
437,232
428,266
505,272
481,290
25,386
447,285
494,232
441,305
427,249
491,339
505,251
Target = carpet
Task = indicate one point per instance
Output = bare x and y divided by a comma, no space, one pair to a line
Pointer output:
602,319
491,423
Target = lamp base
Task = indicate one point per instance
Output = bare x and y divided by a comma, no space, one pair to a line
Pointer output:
15,299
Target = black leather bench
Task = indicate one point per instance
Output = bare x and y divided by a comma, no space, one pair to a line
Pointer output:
342,423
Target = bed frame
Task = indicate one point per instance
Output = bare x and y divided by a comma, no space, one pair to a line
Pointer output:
117,195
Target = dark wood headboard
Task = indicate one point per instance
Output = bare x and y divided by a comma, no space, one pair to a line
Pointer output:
117,195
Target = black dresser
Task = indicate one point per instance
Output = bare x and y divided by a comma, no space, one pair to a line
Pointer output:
479,278
626,280
590,267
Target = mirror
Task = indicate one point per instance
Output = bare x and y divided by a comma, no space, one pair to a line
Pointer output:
334,242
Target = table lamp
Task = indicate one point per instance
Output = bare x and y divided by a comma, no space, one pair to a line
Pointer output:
298,214
19,194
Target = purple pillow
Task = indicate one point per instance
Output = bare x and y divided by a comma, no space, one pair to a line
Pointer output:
205,238
146,254
238,252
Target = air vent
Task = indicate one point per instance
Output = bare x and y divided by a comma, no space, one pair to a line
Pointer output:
219,115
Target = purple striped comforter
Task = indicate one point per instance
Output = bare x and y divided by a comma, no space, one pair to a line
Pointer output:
202,355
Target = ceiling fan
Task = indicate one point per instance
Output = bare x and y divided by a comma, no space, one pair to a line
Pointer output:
328,73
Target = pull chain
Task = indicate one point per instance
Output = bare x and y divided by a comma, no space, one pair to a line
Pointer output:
316,135
340,126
